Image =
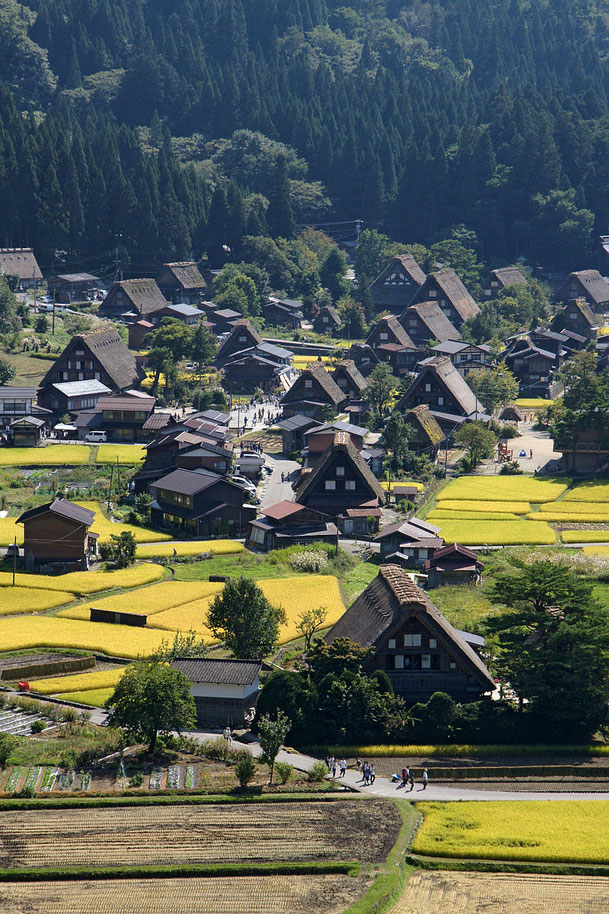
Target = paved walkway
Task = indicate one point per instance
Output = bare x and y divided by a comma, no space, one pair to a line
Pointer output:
272,490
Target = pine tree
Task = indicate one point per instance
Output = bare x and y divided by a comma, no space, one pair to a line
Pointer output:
280,217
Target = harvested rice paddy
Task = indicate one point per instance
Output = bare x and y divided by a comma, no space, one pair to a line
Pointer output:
497,893
237,895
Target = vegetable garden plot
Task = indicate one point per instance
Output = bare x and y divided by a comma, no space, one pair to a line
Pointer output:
14,778
243,895
156,778
49,778
174,773
32,777
121,776
189,780
82,781
345,830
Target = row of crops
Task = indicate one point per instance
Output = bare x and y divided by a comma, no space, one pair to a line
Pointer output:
46,778
519,510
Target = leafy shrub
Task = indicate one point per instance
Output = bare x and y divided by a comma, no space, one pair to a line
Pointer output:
245,768
310,562
37,726
137,780
318,772
26,793
284,770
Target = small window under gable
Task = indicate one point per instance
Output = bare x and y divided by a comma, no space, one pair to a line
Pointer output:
433,643
399,661
308,383
330,485
413,640
340,471
350,485
391,644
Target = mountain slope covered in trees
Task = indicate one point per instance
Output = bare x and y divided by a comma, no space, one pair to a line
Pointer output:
415,115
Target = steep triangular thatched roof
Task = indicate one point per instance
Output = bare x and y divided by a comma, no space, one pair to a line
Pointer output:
431,315
385,604
342,442
185,273
447,282
315,372
393,327
420,417
347,368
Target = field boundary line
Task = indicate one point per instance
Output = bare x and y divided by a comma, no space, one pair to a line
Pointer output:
480,865
199,870
393,873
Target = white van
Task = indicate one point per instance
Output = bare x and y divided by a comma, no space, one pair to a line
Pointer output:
96,437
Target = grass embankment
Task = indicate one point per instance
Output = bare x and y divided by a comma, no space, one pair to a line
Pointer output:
572,831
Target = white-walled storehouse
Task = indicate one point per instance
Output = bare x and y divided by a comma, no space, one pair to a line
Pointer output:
225,691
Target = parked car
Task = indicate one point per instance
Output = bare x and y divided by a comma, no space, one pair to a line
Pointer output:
96,437
244,483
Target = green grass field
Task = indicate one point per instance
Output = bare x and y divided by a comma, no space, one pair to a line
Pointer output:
570,831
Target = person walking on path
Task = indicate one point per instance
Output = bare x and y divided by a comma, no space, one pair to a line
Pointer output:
425,778
405,774
372,774
343,767
411,780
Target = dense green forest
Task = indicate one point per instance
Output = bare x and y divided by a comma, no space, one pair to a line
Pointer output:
165,127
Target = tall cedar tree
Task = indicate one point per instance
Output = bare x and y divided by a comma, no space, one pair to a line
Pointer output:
553,648
279,215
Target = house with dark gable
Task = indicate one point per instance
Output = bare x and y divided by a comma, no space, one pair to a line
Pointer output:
578,316
182,283
21,263
310,394
283,312
242,336
328,320
498,280
56,537
445,392
225,692
445,288
426,321
350,379
289,523
397,284
465,356
132,300
453,564
388,330
343,486
586,284
427,434
98,355
413,642
199,503
410,542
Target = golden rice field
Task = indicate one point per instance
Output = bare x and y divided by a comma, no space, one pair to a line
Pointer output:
191,547
105,528
439,514
293,594
563,515
30,600
497,893
499,507
166,835
241,895
10,531
594,490
504,488
87,582
497,533
532,402
126,453
97,698
150,600
104,679
587,536
402,482
568,831
51,455
44,631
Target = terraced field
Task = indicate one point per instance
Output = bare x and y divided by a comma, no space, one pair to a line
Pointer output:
347,830
497,893
245,895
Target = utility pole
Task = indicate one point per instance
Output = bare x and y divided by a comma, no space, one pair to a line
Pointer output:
358,228
110,486
14,560
53,327
118,475
34,282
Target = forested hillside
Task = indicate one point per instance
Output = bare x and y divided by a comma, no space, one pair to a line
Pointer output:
415,115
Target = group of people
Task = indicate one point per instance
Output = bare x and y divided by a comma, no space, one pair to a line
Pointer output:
333,766
368,772
407,777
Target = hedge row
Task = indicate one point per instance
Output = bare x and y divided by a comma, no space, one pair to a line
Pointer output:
201,870
499,866
521,771
164,799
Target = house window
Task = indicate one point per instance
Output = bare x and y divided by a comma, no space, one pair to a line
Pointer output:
350,485
452,665
64,375
440,401
412,640
399,661
308,383
243,339
425,662
427,388
330,485
432,293
340,471
433,643
383,336
391,644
